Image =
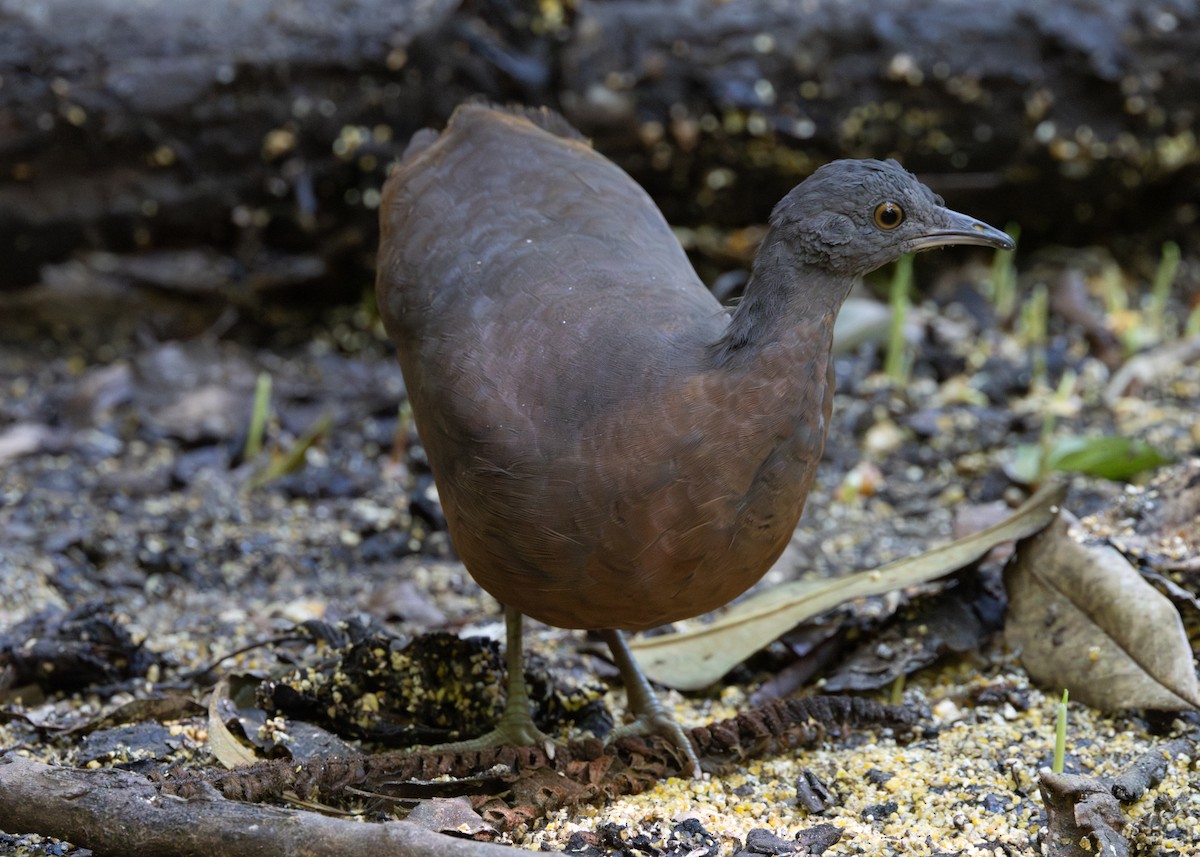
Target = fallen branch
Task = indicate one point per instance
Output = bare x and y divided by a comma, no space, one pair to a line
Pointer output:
116,812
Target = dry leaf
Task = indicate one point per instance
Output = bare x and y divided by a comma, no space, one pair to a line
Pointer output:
944,622
1084,619
229,751
23,439
695,658
159,708
1082,818
453,816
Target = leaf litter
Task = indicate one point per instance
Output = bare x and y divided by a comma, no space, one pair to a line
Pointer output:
196,565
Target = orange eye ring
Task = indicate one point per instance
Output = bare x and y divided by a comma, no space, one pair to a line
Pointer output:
888,215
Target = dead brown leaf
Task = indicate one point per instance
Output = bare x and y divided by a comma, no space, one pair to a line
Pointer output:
453,816
1081,810
1084,619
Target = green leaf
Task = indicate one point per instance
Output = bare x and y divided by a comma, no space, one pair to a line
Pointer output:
1116,458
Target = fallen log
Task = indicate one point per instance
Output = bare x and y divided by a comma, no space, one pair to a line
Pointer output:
259,132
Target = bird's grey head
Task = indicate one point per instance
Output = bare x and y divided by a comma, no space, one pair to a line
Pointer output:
854,216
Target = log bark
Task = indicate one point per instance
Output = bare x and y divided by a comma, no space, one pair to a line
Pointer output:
260,130
118,813
1074,119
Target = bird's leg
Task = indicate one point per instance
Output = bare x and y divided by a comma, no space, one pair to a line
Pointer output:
516,723
515,726
650,715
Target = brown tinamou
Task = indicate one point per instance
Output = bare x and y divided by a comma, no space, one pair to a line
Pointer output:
612,448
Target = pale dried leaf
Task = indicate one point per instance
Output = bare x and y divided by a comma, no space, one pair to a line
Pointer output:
229,751
23,439
453,816
1084,619
696,657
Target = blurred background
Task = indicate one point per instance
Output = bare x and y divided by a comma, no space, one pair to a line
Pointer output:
162,163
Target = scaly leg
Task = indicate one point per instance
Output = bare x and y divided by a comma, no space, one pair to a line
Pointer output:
515,726
650,715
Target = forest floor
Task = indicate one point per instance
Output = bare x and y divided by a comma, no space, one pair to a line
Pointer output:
151,556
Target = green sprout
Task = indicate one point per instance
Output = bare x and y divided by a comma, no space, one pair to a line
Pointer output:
1164,277
1106,456
1034,327
1062,395
1060,734
279,463
897,364
1192,327
1112,289
283,463
258,417
1003,279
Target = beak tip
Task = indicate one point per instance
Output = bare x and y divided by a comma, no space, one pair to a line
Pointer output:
992,235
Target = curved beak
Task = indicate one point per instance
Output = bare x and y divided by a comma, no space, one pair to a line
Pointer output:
956,228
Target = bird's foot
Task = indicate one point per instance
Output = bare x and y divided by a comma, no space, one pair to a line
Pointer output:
512,730
515,728
650,716
654,719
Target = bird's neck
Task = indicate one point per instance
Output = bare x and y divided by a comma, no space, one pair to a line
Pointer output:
774,374
786,291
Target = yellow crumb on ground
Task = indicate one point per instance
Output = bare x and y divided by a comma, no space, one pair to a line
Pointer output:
970,789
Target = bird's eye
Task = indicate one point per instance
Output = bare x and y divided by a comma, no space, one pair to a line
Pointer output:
888,215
